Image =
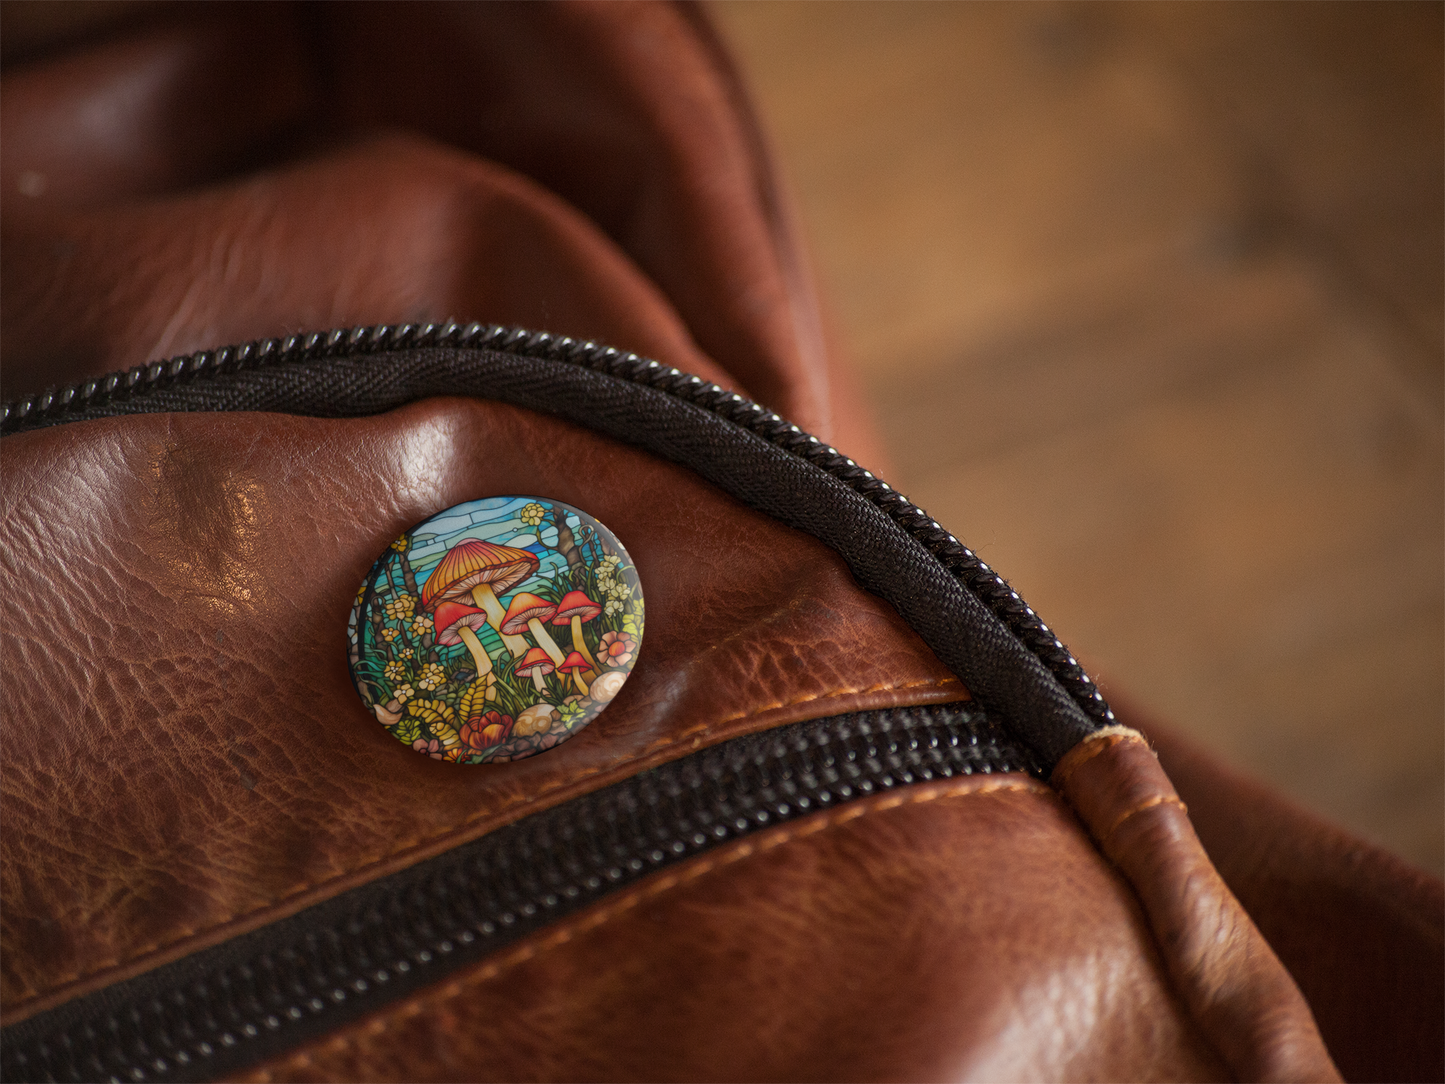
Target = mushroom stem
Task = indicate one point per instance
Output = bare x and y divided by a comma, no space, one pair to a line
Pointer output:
581,685
579,645
479,653
486,598
546,642
537,681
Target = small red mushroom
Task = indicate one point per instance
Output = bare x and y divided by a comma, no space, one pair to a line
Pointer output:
527,611
456,623
536,665
574,609
574,664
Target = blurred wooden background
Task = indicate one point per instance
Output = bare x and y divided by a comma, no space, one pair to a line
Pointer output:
1148,299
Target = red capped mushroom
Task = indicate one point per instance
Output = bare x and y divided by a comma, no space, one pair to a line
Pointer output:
527,611
574,664
536,666
456,623
574,609
477,570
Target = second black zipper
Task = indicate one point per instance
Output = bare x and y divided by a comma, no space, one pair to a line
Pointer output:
262,993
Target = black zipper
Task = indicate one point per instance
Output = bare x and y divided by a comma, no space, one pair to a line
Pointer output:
260,994
124,392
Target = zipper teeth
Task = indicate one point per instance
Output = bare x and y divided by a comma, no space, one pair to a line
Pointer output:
52,405
486,894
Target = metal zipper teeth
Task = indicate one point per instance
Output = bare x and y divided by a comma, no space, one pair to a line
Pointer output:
383,941
51,406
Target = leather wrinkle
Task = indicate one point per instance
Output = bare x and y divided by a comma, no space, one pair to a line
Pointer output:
662,883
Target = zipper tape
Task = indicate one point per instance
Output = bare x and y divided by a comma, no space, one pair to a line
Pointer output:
965,612
262,993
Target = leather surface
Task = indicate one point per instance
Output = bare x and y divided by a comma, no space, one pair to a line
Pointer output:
195,180
1237,990
185,754
90,292
1362,932
956,957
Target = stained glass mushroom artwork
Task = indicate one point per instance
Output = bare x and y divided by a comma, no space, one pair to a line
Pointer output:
477,570
527,611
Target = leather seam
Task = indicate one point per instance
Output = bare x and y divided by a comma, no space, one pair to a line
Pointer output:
412,844
418,1004
1146,804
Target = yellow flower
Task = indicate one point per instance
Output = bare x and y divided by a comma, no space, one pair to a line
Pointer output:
390,634
404,693
432,675
399,545
408,653
401,607
393,671
531,514
421,625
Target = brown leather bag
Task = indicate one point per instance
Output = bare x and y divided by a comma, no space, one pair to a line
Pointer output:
857,813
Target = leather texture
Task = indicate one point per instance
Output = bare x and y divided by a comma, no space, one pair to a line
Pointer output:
205,765
955,958
185,757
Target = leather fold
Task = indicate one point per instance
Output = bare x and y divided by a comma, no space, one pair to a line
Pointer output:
1234,984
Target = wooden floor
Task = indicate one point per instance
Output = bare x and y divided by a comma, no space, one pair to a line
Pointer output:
1149,301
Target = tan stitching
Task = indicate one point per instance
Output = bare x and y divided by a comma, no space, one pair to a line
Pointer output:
422,1003
289,894
1147,803
1091,746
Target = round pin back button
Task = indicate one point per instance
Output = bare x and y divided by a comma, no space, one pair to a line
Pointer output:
496,629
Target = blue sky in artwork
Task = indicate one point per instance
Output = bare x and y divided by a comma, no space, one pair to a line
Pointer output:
493,519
